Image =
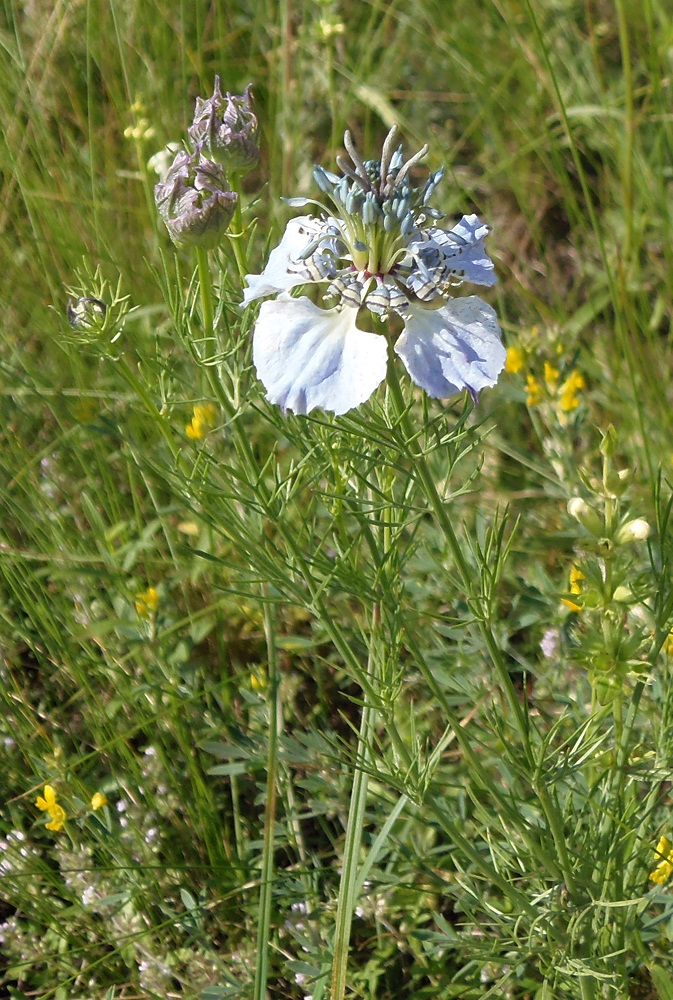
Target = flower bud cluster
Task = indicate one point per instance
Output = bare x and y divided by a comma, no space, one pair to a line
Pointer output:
604,529
194,197
603,585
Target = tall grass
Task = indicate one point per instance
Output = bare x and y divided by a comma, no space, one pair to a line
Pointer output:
357,725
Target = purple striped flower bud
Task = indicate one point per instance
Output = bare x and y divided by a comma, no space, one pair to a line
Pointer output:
226,129
195,201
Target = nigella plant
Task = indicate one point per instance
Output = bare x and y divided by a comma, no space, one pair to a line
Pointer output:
378,249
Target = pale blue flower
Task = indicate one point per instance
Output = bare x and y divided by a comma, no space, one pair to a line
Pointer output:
382,251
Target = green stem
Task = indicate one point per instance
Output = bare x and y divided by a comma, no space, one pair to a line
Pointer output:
236,810
236,230
356,814
268,850
206,291
629,122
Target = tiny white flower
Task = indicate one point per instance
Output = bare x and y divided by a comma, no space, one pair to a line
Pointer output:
89,895
549,644
382,251
633,531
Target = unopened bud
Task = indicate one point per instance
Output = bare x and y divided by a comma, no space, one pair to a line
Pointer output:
608,445
606,688
633,531
195,201
226,129
586,515
622,594
86,313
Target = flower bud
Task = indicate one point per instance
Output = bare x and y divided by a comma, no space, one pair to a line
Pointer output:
608,445
633,531
588,518
86,313
226,129
606,688
195,201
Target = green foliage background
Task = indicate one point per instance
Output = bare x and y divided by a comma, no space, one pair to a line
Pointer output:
554,123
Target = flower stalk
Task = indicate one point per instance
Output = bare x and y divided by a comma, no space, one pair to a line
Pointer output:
348,886
268,848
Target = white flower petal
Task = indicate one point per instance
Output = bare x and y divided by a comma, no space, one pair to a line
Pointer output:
463,248
308,357
453,348
276,276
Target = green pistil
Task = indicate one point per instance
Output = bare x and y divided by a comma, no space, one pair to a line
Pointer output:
371,247
392,251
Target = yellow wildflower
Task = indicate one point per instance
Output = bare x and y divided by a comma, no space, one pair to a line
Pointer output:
575,587
147,602
49,800
514,360
98,800
569,400
551,374
258,680
576,577
141,129
58,818
48,803
664,856
203,420
188,528
534,391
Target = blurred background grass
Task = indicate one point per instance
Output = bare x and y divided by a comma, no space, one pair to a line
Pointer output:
554,124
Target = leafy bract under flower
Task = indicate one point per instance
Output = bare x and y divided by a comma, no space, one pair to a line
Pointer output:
378,249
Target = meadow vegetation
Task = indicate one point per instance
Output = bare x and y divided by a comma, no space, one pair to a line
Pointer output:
376,705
